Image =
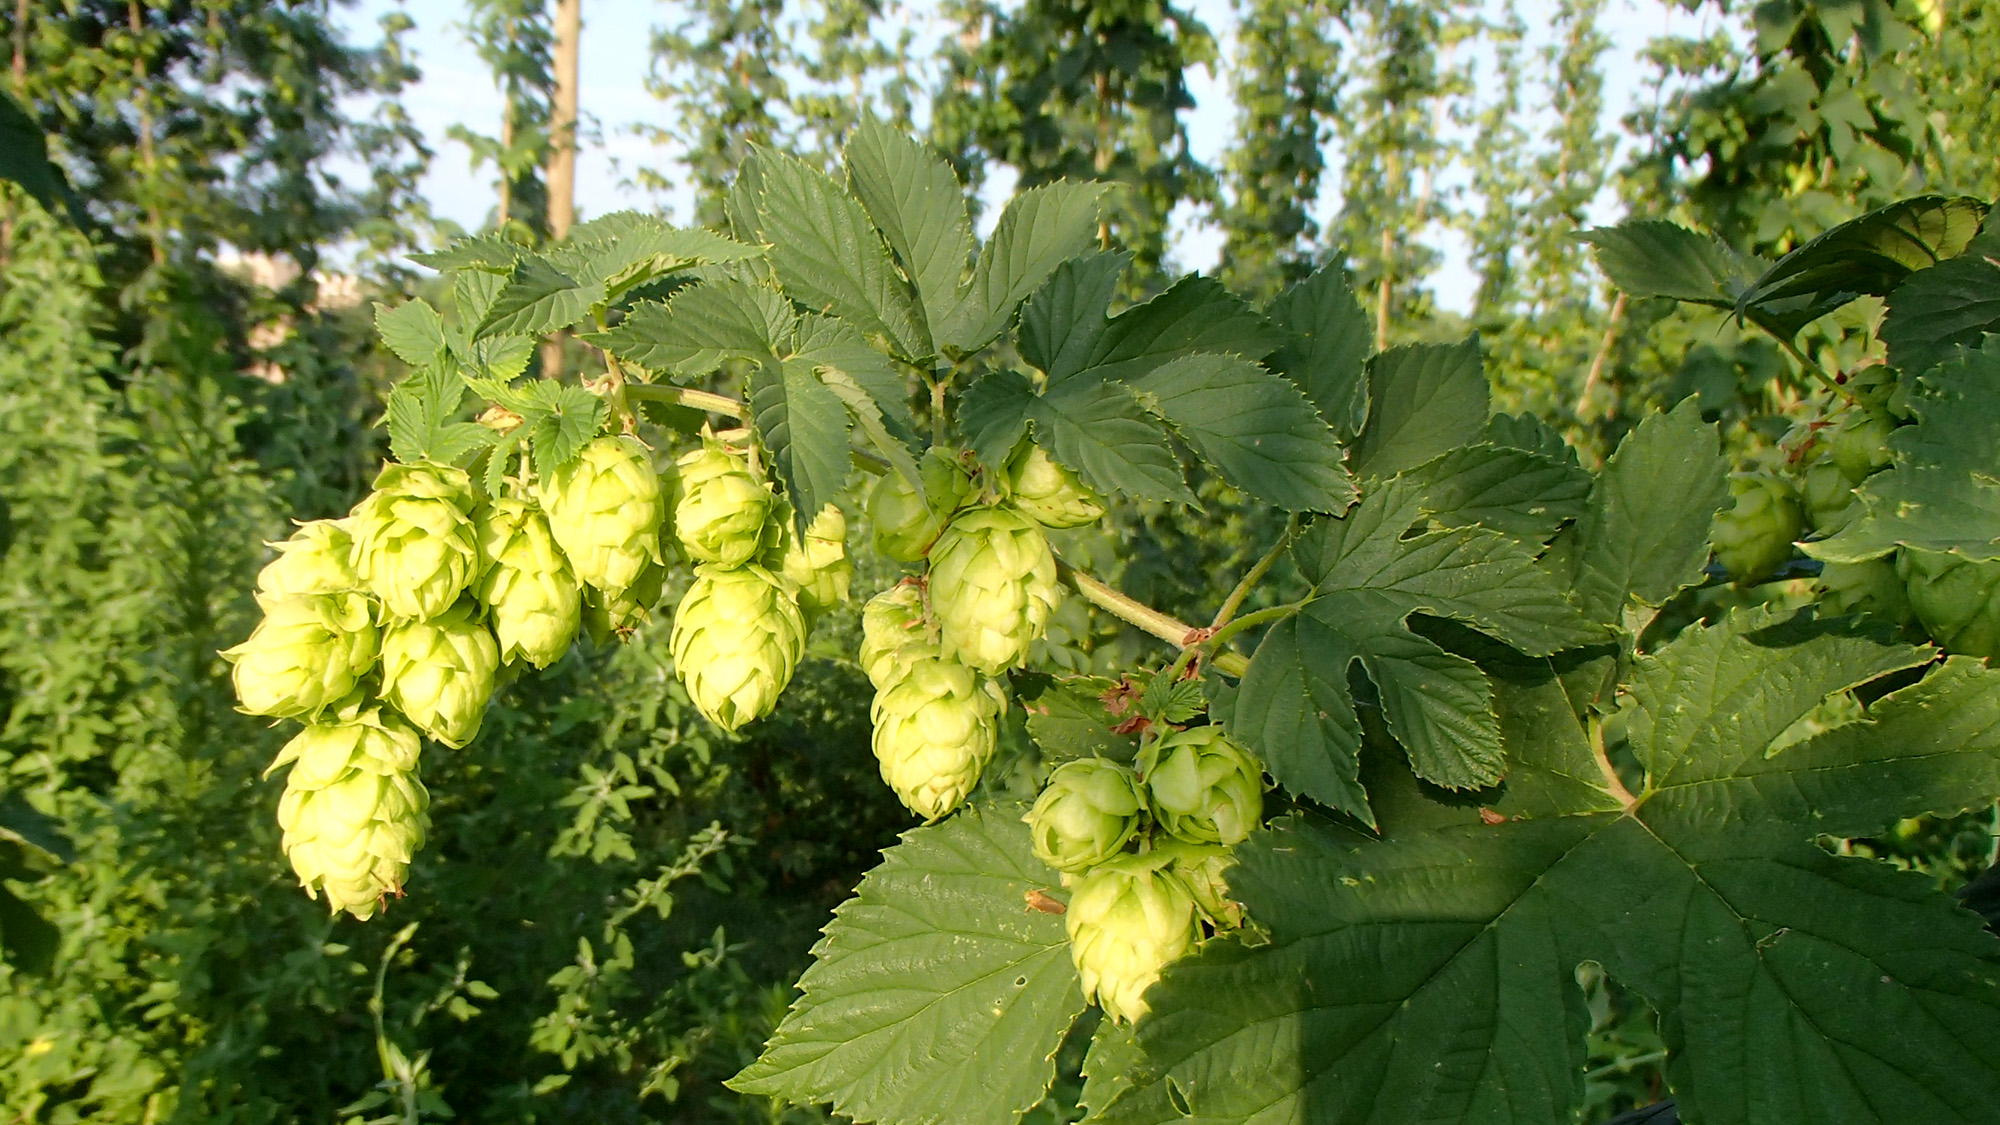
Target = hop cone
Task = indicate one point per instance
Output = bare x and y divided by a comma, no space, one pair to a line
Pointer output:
1829,497
317,559
892,629
737,638
907,521
1871,587
1754,536
607,617
305,655
1956,601
414,545
1085,815
1859,445
816,563
1049,492
439,672
605,511
1128,919
720,509
993,584
353,809
526,584
1203,787
1201,867
935,727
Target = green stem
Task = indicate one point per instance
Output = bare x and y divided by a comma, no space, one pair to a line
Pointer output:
1805,361
939,429
1137,613
687,396
1234,601
1251,621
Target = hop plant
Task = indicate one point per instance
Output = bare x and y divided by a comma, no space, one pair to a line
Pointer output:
414,544
1203,787
605,511
936,724
1859,445
719,508
1128,919
305,655
1087,813
1956,600
738,636
1872,587
993,585
1754,536
815,564
1202,868
1828,496
353,812
907,521
439,672
1047,491
892,629
525,583
317,559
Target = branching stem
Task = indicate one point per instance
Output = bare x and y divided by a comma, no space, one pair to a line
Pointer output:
1137,613
1256,574
688,396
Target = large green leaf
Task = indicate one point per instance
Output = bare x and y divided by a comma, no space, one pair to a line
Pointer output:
1256,428
916,201
1040,229
24,159
805,426
1525,494
1063,320
1327,352
422,417
414,331
699,327
1869,255
1424,400
538,298
1951,305
1644,532
1428,975
1655,258
1943,492
937,995
1100,431
1194,316
993,414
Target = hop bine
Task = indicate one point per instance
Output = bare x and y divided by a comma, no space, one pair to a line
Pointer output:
605,511
305,655
993,585
1087,813
738,636
1128,919
440,672
719,508
353,812
526,584
1203,787
414,543
936,723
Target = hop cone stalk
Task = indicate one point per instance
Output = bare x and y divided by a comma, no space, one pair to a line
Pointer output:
893,629
738,636
816,563
414,545
605,510
1128,919
1048,492
353,812
526,584
993,585
935,728
907,521
317,559
1203,787
1956,601
1087,813
439,672
1754,537
305,655
720,509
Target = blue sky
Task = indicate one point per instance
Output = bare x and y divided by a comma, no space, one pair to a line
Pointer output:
616,52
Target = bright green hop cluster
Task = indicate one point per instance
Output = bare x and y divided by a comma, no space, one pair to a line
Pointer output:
936,721
740,630
396,621
1145,849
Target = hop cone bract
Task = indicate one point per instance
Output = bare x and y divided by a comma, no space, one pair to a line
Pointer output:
414,545
1754,537
1048,492
719,508
1828,497
317,559
737,639
526,584
305,655
935,728
439,672
1086,814
1956,601
353,812
1202,867
1203,787
1128,919
892,629
992,585
605,511
1860,443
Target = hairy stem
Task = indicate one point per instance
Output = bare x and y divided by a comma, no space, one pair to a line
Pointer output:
1256,574
1612,782
1137,613
687,396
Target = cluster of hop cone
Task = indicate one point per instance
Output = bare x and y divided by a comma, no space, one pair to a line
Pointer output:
1955,601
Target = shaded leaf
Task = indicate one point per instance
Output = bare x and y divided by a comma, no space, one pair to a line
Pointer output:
1039,230
1655,258
1327,352
916,202
1063,320
1951,305
1644,533
1426,399
1100,431
1254,427
805,427
1869,255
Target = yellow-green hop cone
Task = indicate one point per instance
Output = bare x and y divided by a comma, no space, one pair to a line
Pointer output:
907,520
439,672
935,728
605,509
992,586
1860,443
1871,587
1203,787
526,584
1048,492
414,546
608,618
719,508
305,655
1202,868
1128,919
1087,813
1828,497
354,811
738,636
893,628
1754,536
317,559
816,563
1956,601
